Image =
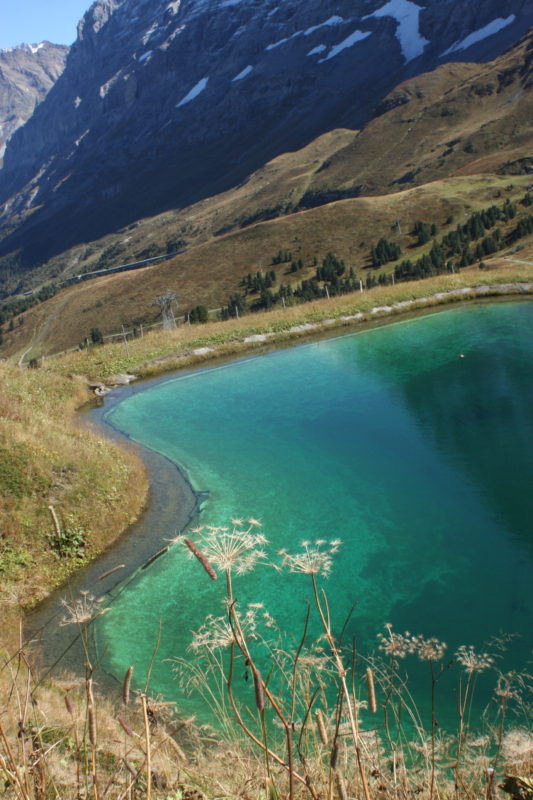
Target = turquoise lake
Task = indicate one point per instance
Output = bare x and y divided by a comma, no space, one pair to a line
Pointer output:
411,442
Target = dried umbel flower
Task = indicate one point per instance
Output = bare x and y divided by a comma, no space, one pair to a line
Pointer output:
472,661
517,746
315,558
83,610
397,645
237,550
216,632
400,645
428,649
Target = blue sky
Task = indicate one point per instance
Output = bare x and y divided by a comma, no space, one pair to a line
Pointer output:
32,21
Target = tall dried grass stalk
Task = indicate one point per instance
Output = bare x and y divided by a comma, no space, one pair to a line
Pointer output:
341,785
334,757
371,689
259,691
127,685
144,701
201,558
55,520
321,726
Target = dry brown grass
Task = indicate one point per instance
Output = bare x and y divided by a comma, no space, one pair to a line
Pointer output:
211,272
48,459
61,740
161,351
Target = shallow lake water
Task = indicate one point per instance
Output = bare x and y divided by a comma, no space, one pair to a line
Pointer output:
412,443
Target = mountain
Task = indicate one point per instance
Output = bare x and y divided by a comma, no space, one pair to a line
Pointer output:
163,104
27,73
443,145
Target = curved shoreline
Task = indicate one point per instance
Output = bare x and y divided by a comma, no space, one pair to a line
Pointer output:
172,505
359,321
173,502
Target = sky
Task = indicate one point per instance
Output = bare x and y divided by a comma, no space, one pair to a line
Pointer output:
32,21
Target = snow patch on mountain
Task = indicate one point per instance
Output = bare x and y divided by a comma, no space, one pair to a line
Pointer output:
353,38
273,45
173,7
82,137
195,91
105,87
482,33
408,34
328,23
317,50
335,20
246,71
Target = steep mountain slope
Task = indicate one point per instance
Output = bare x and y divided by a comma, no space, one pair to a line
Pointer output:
27,73
460,119
165,103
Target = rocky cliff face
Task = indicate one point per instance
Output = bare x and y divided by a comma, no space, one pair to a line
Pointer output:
27,73
167,101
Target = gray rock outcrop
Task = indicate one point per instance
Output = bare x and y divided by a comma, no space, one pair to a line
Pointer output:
27,73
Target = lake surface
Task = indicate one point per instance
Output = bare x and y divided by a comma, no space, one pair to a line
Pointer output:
411,442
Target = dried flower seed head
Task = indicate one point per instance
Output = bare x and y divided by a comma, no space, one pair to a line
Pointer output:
315,559
429,649
237,550
83,610
393,644
216,632
472,661
400,645
517,746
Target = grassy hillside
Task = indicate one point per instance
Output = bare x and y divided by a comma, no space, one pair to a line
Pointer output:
210,273
47,460
459,120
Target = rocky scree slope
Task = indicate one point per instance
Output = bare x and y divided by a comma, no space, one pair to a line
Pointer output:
27,73
164,103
